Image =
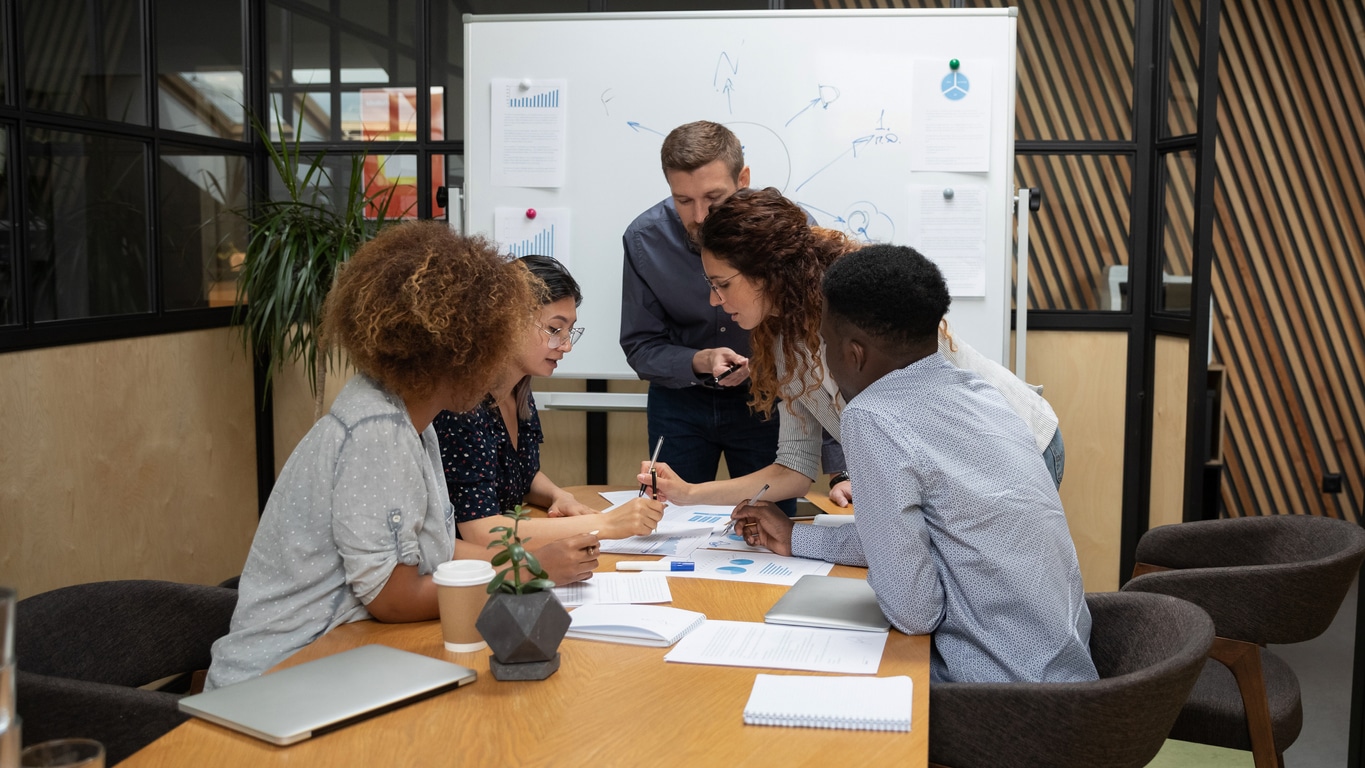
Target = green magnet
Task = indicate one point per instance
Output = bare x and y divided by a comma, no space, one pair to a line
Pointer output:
953,64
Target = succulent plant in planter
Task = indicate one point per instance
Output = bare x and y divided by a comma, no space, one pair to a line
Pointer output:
523,621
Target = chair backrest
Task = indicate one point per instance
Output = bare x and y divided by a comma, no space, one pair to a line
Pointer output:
1273,579
1148,650
127,633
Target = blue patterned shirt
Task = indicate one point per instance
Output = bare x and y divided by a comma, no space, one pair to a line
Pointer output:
485,475
960,528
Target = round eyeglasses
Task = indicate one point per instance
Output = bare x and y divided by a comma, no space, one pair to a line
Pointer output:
562,337
724,284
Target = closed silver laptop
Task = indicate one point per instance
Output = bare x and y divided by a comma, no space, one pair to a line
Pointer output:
832,602
324,694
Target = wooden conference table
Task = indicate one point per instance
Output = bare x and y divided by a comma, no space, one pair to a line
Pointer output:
609,704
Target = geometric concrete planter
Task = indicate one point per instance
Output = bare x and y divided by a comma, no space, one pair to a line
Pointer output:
524,632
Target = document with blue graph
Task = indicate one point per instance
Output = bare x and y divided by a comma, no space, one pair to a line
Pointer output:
753,567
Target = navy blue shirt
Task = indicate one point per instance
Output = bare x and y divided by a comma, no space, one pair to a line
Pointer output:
666,314
484,473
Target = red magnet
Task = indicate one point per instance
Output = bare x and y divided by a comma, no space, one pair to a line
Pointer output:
530,213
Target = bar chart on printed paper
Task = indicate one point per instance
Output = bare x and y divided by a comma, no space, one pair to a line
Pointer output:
754,567
527,231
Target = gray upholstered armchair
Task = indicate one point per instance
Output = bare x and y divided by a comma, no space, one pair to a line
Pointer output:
1276,579
82,652
1148,650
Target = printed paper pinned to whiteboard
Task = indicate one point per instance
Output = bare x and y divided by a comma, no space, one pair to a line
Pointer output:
950,124
951,231
528,141
545,234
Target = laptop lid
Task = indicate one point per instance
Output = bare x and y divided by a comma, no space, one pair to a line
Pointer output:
831,602
324,694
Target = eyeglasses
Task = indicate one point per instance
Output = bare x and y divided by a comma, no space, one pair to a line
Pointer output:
724,284
561,337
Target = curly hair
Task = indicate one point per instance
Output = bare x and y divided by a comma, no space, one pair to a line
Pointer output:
769,240
892,292
419,308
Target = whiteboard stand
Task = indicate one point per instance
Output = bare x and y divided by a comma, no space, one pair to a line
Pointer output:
591,401
1024,202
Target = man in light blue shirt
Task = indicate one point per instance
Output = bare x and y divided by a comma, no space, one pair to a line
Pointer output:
958,523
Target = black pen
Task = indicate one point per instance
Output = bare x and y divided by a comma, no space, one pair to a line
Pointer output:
715,380
652,474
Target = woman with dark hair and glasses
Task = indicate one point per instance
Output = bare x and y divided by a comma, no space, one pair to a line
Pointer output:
491,454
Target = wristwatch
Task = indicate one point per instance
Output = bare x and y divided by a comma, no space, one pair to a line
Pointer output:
837,477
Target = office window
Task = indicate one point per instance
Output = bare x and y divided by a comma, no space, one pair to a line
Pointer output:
1079,238
87,225
1182,95
309,114
1177,233
203,234
446,66
382,177
354,76
84,57
9,295
200,85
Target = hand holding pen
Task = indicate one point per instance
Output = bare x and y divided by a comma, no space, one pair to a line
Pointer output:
764,526
730,526
715,381
653,486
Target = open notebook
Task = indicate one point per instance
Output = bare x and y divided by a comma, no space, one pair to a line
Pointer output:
328,693
656,625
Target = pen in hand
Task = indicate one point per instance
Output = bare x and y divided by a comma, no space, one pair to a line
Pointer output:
715,380
652,474
730,526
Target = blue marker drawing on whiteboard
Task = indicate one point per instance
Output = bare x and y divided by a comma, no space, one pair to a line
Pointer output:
868,224
955,86
606,98
637,127
724,81
880,136
827,95
837,218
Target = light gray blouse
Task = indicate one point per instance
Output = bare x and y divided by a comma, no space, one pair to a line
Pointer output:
361,493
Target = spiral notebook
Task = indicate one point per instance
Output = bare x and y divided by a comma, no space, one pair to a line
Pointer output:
808,701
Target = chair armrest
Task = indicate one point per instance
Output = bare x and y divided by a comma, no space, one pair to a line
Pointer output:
123,719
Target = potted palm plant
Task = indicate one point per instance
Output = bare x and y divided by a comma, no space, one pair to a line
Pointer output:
294,249
522,622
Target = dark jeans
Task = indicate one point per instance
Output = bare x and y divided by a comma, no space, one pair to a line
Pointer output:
699,425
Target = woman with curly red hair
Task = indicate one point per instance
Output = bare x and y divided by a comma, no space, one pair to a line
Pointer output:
765,264
360,516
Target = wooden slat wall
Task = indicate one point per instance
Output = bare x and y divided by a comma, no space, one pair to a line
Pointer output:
1289,247
1289,237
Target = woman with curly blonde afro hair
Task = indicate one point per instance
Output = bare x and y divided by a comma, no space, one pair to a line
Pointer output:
765,264
360,516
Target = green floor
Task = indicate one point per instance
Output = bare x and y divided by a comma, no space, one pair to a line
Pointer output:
1184,754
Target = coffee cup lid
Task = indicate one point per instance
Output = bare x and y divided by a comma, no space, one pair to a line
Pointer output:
463,573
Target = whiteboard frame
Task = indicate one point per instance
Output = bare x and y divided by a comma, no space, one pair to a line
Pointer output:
477,203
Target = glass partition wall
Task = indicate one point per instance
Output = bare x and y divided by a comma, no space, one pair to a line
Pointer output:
129,152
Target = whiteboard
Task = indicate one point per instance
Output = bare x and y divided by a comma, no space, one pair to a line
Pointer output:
821,101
